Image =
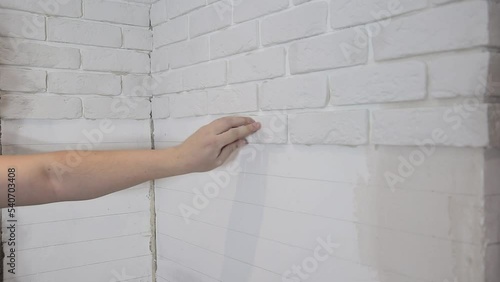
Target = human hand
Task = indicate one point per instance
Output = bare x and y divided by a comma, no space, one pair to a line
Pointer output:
211,145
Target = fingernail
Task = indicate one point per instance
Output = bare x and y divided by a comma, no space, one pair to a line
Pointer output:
256,125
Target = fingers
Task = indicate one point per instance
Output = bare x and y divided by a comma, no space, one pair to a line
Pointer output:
224,124
237,133
229,149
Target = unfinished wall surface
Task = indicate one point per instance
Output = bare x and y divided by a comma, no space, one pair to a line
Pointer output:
372,164
68,74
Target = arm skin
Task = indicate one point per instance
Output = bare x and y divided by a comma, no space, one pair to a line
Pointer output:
103,172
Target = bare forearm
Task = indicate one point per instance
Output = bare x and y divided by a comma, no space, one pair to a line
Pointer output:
71,176
103,172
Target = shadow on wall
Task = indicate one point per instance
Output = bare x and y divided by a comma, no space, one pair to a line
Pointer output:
233,241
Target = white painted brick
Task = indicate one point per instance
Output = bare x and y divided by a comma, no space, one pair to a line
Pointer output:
84,83
167,82
274,130
239,39
355,12
71,8
83,32
434,30
261,65
22,25
77,131
117,108
232,99
394,82
117,12
184,128
188,104
161,107
137,38
306,20
137,85
27,53
310,91
250,9
159,59
40,107
158,12
461,125
188,52
458,75
22,80
115,61
208,19
339,127
205,75
335,50
170,32
179,7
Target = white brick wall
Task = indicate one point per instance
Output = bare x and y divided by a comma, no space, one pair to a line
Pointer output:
435,30
84,83
34,54
394,82
339,49
249,9
71,9
69,74
307,20
82,32
257,66
36,107
339,127
242,38
22,80
116,12
346,92
207,19
171,31
109,60
309,91
14,24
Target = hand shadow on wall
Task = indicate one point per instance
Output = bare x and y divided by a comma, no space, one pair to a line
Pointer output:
241,246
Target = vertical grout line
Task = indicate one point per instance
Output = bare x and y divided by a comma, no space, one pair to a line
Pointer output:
152,194
152,199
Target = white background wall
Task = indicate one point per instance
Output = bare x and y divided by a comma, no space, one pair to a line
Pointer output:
63,65
341,110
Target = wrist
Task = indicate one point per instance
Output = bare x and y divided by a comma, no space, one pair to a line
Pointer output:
180,162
